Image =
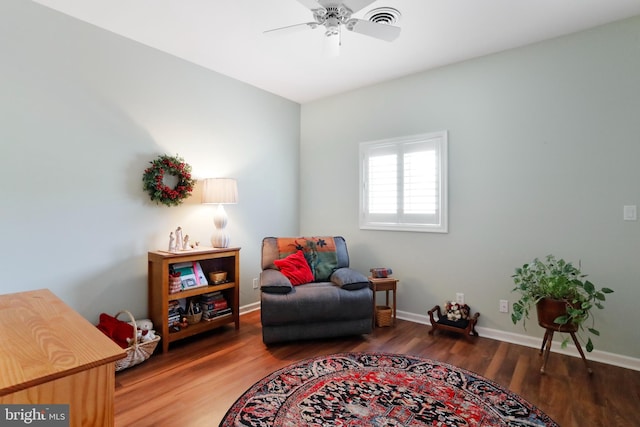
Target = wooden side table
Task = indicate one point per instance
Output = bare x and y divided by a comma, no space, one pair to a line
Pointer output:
384,284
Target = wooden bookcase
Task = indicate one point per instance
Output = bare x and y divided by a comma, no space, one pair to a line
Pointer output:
211,259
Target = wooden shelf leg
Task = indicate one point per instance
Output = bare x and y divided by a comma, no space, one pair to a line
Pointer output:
549,337
394,307
544,340
579,347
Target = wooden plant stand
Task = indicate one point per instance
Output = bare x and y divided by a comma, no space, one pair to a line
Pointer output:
548,310
466,327
548,337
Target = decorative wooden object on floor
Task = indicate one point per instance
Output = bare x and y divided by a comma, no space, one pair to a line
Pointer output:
211,259
52,355
384,284
466,327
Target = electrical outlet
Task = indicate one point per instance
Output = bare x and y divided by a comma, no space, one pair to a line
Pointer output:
630,213
256,283
504,306
460,298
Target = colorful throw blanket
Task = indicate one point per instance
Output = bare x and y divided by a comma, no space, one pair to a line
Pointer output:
320,253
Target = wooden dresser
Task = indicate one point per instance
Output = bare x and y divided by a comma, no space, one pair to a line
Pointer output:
49,354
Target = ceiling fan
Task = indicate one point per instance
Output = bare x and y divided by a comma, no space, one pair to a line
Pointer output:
335,14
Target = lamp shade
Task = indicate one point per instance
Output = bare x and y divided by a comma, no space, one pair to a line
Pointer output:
220,190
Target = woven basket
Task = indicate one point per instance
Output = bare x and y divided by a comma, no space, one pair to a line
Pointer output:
217,277
192,319
136,352
383,316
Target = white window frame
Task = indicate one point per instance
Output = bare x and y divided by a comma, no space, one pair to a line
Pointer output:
435,222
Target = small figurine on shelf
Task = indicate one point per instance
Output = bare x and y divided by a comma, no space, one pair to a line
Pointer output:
172,242
179,239
185,244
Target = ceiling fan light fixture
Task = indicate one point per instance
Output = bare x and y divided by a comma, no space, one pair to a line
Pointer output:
332,26
331,46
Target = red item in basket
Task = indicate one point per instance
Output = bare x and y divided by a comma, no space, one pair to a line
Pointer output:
116,329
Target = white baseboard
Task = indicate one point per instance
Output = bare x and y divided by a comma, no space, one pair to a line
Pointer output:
250,307
529,341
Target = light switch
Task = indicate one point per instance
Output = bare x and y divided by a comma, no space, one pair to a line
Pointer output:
630,213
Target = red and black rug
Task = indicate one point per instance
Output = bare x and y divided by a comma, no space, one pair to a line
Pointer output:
378,389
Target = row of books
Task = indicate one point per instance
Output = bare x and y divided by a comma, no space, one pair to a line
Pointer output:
191,274
213,304
176,313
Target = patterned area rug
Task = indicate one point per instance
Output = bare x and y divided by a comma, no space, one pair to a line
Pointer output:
378,389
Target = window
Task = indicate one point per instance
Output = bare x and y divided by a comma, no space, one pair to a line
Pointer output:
403,183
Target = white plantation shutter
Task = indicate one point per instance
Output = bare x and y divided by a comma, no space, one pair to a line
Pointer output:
383,184
403,183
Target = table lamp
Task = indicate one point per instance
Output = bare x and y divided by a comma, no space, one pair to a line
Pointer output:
221,191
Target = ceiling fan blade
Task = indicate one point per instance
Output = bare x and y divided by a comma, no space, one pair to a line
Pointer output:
381,31
292,28
356,5
311,4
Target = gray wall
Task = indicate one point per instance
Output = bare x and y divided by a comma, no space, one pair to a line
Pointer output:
544,144
82,112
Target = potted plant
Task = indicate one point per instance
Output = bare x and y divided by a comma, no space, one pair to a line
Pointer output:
560,283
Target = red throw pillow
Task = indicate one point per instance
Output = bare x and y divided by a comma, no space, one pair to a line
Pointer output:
116,329
295,268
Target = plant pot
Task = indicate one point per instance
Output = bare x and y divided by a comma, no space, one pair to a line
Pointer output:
549,309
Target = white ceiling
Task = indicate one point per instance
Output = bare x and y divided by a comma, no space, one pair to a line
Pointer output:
227,36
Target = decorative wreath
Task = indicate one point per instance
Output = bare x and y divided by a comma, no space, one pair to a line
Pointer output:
153,180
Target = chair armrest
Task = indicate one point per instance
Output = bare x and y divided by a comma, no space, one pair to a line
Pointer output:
474,319
274,282
435,309
349,279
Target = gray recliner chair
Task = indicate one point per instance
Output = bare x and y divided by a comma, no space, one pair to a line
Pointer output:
337,302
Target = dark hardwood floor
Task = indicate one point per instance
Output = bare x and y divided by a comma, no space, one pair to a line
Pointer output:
199,379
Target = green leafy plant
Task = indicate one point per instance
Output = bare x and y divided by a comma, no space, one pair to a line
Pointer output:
560,280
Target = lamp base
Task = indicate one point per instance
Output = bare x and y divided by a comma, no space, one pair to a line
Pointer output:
220,239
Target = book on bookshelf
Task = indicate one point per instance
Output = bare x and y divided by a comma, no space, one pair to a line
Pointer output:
191,274
212,314
210,296
214,307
